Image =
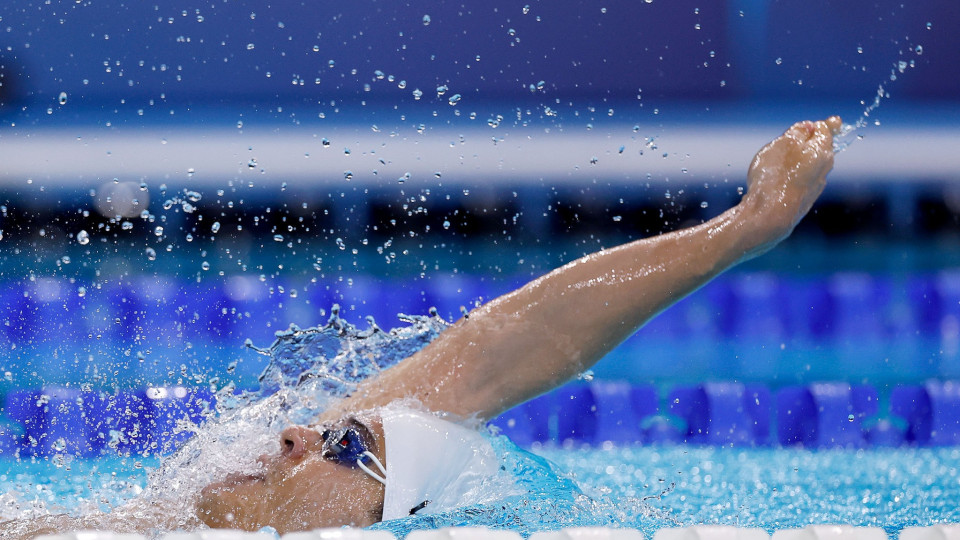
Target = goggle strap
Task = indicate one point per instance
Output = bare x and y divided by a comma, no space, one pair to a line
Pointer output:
375,476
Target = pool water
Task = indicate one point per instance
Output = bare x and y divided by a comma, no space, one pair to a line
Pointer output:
644,487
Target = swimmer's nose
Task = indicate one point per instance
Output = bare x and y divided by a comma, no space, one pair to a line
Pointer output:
294,441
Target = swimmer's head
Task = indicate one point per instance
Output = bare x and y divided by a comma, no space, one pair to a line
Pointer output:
307,485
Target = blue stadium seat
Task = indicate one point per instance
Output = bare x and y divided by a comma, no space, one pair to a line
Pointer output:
808,309
615,420
924,299
21,320
576,413
165,409
754,310
932,412
884,433
54,422
824,414
723,413
860,303
10,438
527,423
621,409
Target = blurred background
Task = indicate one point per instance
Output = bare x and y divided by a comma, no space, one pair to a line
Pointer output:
180,177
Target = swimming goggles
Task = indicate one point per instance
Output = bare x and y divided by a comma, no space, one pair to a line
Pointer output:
346,446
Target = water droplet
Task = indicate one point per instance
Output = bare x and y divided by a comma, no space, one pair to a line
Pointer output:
348,175
417,93
151,254
63,98
704,204
929,26
158,231
859,50
205,266
252,163
446,224
331,63
850,418
215,228
426,20
250,46
617,218
511,32
779,61
325,142
454,99
442,89
81,292
278,238
83,238
919,49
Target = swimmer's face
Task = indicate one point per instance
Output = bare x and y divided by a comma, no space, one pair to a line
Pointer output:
298,488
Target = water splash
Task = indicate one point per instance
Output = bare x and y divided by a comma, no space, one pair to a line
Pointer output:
308,370
848,131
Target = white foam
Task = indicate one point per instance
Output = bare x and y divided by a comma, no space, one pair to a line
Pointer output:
711,532
831,532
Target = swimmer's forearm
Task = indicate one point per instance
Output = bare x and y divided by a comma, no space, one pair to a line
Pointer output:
565,322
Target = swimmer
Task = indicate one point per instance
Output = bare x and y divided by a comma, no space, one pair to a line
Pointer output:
383,452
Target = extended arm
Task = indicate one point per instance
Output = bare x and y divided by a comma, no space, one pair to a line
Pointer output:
541,335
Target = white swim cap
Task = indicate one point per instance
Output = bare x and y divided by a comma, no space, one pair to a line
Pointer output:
433,465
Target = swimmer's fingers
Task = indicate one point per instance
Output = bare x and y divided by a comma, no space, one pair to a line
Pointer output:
835,124
800,132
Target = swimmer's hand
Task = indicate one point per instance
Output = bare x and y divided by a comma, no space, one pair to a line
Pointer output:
785,179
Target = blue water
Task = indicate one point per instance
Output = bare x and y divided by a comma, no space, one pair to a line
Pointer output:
643,487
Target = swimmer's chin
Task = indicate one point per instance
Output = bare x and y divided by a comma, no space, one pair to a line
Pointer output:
215,505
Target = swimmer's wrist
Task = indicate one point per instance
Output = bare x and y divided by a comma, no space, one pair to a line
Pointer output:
759,229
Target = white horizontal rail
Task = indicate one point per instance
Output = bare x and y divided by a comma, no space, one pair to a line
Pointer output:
87,157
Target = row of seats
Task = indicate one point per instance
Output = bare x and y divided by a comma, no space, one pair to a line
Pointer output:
760,306
156,420
85,423
697,532
725,413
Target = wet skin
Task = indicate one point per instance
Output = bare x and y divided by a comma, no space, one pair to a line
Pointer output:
299,488
532,340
